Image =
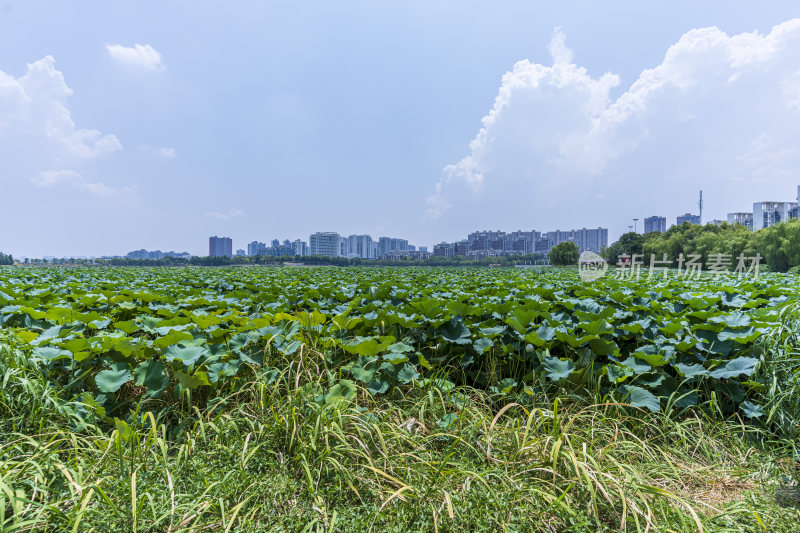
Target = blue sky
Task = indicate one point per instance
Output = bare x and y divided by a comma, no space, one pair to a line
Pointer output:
422,120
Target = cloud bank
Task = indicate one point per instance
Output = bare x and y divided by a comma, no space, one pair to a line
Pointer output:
40,144
35,117
558,149
138,56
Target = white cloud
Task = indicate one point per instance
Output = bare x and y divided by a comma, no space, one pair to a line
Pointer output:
720,113
140,56
71,178
167,152
558,48
35,119
228,215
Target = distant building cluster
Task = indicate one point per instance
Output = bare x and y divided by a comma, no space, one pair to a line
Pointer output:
275,248
329,244
481,244
763,215
478,244
155,254
766,214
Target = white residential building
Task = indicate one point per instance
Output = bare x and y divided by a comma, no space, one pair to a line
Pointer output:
766,214
300,247
361,246
745,219
327,243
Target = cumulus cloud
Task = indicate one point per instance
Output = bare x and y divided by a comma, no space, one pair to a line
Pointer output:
140,56
71,178
35,117
556,150
38,134
228,215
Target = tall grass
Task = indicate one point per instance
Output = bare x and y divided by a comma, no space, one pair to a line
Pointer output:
279,454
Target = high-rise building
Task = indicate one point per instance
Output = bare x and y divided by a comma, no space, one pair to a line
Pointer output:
655,224
220,246
256,248
422,249
327,243
444,249
360,246
745,219
690,218
766,214
300,247
592,239
389,244
239,252
521,242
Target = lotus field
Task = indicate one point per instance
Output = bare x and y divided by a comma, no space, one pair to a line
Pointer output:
656,344
396,399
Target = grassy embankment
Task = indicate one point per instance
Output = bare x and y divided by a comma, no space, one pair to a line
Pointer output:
271,453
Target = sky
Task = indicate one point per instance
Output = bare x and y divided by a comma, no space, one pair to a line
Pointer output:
127,125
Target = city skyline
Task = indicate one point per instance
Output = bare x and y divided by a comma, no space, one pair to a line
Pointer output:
421,120
763,214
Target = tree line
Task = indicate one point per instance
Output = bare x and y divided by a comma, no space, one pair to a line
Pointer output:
778,245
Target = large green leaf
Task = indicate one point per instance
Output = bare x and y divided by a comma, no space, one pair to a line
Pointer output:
691,371
455,331
407,374
368,346
541,336
151,374
51,354
364,369
639,397
192,381
345,390
111,380
188,355
482,344
751,410
557,369
173,337
734,368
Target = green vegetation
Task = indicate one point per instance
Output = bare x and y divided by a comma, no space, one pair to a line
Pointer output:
778,245
322,399
565,253
6,259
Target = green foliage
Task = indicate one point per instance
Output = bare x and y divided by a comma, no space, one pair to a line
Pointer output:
565,253
6,259
291,450
778,245
628,244
125,335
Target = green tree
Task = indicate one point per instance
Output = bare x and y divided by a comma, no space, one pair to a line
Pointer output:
565,253
630,243
779,245
6,259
